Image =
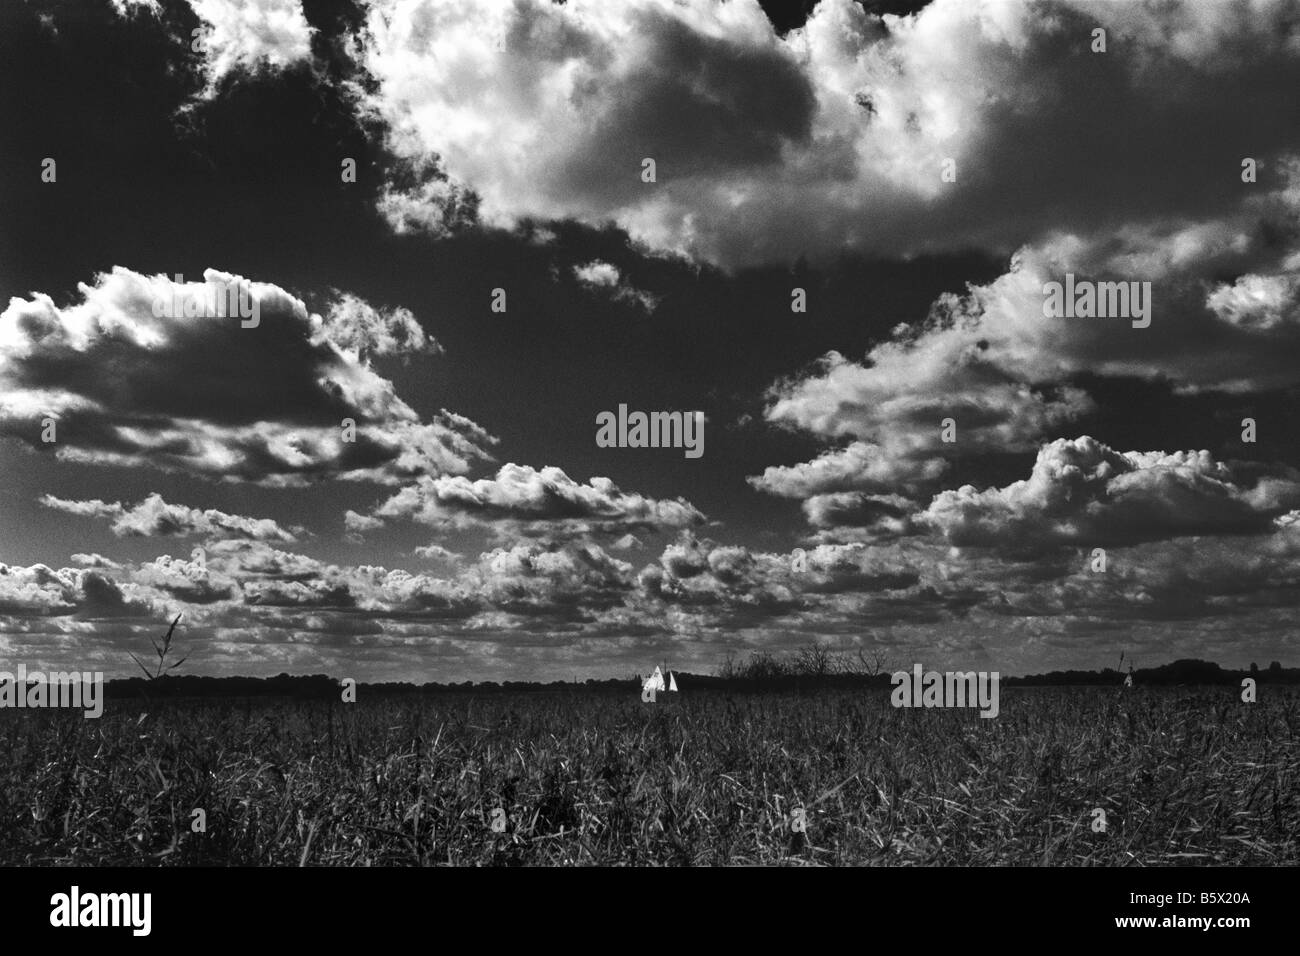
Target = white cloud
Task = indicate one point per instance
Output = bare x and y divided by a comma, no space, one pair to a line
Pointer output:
1004,370
154,517
597,273
206,395
359,523
835,135
859,466
1084,493
87,594
602,276
246,34
352,323
521,499
1258,303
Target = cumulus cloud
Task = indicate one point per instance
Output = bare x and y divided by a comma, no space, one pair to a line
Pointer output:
1083,492
1193,580
532,578
699,584
1237,336
534,593
154,517
243,578
999,363
859,466
357,523
84,593
883,514
600,275
839,568
242,559
597,273
245,35
530,501
251,587
548,111
696,571
205,395
352,323
835,135
894,407
127,7
95,560
188,581
436,552
1258,303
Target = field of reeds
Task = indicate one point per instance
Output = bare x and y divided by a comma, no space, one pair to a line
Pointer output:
1189,776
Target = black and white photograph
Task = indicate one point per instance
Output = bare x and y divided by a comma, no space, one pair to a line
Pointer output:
594,434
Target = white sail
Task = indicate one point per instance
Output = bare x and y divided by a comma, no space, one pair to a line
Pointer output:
672,681
655,681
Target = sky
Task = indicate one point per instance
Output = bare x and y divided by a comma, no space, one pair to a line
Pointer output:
443,218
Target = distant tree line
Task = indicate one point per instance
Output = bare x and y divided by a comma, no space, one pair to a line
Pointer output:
806,668
815,662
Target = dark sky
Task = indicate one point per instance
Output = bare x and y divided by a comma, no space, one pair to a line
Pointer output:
475,529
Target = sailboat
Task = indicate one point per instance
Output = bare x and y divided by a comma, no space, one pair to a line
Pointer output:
656,681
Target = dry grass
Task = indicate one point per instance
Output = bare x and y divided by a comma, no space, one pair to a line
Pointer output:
1185,776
